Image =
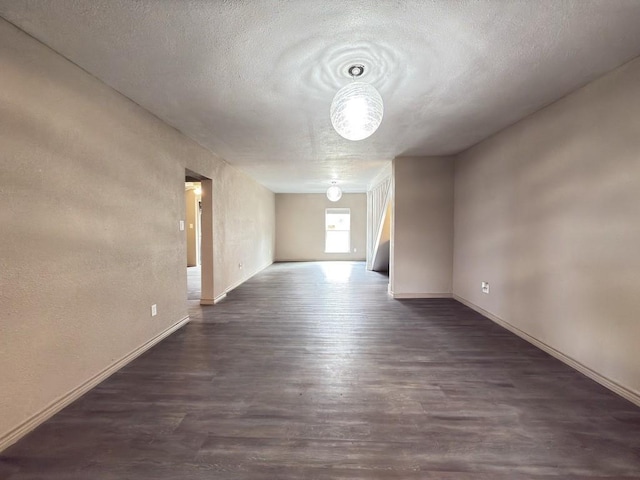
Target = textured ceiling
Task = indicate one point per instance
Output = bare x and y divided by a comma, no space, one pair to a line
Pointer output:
253,80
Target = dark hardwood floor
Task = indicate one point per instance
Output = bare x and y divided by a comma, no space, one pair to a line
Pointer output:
193,284
310,371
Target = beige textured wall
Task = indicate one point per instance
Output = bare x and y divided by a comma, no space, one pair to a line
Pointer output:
547,212
422,227
300,226
244,228
91,194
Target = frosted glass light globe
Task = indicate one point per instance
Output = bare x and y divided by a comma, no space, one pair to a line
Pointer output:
356,111
334,193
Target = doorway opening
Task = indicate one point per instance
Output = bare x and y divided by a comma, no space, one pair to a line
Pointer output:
199,237
193,228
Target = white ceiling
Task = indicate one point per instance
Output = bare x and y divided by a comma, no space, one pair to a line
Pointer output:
253,80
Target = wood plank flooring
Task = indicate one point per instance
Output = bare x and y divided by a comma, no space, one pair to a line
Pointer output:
193,283
310,371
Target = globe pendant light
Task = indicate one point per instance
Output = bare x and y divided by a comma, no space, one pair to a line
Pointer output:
334,193
356,110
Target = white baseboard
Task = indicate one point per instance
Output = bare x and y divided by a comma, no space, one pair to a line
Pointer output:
624,392
241,281
21,430
222,296
213,301
420,295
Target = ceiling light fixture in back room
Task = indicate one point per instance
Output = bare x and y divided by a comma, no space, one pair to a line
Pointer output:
356,110
334,192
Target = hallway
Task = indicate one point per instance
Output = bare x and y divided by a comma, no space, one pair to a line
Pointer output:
311,371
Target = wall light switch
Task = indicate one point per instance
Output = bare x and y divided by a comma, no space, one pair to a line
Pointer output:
181,225
154,310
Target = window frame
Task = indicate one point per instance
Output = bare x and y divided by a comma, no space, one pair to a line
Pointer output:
337,211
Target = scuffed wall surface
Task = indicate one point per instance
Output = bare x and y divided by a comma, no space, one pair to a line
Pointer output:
547,213
91,193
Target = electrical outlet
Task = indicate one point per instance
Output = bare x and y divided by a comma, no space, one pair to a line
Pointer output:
240,265
355,250
154,310
485,287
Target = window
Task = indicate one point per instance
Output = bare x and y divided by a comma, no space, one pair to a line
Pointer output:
337,223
